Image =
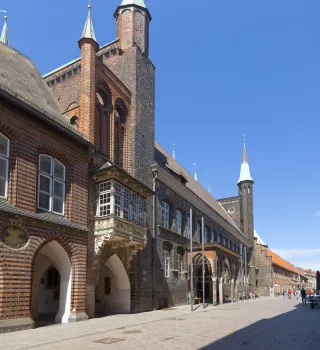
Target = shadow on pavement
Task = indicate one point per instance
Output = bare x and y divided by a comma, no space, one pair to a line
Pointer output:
297,329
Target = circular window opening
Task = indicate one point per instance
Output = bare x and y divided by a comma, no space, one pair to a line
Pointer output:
231,210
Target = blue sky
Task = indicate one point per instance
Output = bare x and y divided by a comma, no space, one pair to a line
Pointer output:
223,68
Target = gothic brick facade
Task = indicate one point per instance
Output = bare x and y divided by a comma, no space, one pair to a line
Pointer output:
121,241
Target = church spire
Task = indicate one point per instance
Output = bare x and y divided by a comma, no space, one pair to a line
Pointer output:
88,31
244,170
4,34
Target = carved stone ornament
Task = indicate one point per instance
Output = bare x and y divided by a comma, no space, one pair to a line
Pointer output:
99,240
14,237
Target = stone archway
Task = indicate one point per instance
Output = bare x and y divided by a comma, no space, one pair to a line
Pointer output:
48,297
112,295
198,277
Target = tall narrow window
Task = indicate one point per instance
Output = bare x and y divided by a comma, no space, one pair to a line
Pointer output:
51,184
117,199
104,201
198,232
179,221
206,235
126,203
165,214
166,262
4,165
188,226
180,266
134,211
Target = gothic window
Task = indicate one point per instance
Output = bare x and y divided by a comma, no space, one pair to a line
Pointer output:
188,225
199,232
165,214
166,262
180,265
114,198
244,190
120,137
4,165
224,241
103,134
214,236
179,221
219,238
51,184
248,190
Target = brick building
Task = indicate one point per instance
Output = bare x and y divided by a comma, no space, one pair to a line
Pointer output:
94,213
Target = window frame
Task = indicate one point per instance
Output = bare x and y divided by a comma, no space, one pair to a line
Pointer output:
52,180
6,158
180,265
166,262
198,231
165,215
179,218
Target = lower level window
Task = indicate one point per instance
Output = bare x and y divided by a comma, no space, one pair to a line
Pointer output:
166,263
180,266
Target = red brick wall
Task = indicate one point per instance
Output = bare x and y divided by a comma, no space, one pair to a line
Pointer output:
16,270
29,137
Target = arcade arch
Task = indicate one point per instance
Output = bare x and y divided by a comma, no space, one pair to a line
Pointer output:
51,284
113,289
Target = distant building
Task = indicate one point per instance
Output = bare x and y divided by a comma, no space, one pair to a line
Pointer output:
312,277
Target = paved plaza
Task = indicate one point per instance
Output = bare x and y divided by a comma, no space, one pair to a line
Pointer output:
255,324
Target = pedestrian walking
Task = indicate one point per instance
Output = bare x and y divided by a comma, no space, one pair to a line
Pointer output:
298,294
289,293
284,293
303,296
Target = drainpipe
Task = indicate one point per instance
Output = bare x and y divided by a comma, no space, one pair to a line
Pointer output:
154,236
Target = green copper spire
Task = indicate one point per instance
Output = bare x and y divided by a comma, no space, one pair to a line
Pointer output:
134,2
88,31
4,33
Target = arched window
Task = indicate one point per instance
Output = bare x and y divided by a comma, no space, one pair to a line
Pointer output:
244,190
120,137
165,214
166,255
51,184
249,190
188,226
4,165
179,221
206,235
103,135
180,258
199,231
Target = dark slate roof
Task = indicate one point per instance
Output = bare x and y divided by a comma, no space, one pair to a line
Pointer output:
164,159
5,206
20,79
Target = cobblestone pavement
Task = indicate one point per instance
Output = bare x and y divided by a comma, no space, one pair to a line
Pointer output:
255,324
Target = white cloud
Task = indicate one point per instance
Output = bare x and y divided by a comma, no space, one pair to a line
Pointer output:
316,213
306,258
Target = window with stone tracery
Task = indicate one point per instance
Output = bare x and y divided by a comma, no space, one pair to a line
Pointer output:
116,199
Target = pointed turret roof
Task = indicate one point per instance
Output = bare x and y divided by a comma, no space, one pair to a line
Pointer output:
88,31
244,170
133,2
4,34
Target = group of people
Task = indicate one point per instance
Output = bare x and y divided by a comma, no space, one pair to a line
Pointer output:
297,292
251,295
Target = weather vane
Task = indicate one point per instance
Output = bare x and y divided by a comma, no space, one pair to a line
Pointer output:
89,4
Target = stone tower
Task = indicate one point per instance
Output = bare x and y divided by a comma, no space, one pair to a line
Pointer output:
132,20
245,191
136,71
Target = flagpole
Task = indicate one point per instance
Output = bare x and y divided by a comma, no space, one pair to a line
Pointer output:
191,262
203,270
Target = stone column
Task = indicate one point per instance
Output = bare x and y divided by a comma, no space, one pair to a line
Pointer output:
221,291
236,291
214,291
232,290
